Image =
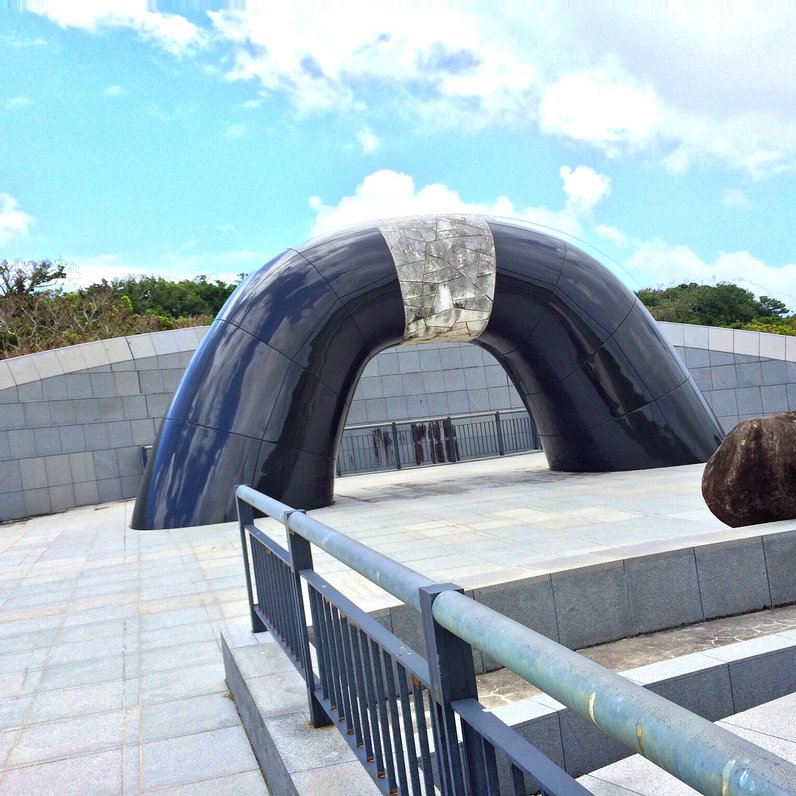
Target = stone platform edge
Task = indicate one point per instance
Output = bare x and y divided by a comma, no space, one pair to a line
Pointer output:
744,570
295,758
271,698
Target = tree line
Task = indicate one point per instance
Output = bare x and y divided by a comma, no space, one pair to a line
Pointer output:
37,313
723,304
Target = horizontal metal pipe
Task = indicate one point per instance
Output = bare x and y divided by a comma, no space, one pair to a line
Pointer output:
395,578
707,757
267,505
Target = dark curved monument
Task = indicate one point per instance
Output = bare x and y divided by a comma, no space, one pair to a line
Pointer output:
265,397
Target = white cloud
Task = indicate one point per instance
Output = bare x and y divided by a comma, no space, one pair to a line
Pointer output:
612,233
171,32
602,109
734,197
14,223
18,102
387,193
236,131
368,140
409,60
658,264
15,41
584,187
113,91
683,83
171,265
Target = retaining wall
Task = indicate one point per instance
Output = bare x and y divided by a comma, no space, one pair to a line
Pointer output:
72,421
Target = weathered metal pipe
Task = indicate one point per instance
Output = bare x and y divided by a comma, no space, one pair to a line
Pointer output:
395,578
267,505
696,751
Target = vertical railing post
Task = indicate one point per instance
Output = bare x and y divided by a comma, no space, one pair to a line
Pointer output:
246,518
301,559
499,430
396,450
447,424
450,663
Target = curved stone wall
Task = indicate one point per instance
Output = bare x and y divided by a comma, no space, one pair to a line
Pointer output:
72,421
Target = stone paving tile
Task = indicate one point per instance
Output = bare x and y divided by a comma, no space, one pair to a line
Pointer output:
73,737
200,756
179,683
248,783
13,712
97,774
97,612
72,702
179,634
77,673
175,656
187,716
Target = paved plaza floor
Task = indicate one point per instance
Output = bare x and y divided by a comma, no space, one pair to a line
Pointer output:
111,677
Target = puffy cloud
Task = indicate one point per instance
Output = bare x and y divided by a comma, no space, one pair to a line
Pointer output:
368,140
612,233
14,223
387,193
601,109
236,131
172,32
584,187
113,91
18,102
734,197
656,263
179,264
681,82
411,60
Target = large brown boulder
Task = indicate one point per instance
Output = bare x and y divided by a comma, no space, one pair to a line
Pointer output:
751,478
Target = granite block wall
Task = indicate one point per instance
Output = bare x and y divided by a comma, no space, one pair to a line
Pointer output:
431,380
72,421
741,374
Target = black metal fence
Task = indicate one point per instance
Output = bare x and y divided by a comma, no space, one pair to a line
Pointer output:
416,726
413,443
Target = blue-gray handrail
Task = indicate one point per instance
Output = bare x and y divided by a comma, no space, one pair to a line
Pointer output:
708,758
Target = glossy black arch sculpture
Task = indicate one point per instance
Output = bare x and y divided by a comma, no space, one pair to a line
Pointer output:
266,395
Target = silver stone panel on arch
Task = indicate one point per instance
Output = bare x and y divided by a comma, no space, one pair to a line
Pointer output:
446,270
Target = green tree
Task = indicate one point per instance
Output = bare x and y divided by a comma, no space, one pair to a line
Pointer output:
723,304
26,277
771,308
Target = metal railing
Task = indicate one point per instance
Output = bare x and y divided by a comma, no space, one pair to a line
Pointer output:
413,443
416,723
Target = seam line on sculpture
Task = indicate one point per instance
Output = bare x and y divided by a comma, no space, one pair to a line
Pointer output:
337,296
285,356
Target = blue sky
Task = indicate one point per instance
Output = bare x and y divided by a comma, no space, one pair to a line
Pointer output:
137,140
